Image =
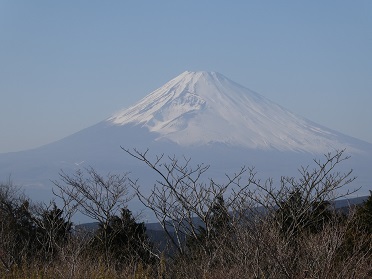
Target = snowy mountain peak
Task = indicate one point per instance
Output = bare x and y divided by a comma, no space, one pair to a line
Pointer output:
187,93
201,76
197,108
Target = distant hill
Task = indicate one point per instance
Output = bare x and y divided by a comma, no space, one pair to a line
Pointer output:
154,229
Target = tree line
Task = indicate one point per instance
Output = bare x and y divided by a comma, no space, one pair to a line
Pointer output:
243,228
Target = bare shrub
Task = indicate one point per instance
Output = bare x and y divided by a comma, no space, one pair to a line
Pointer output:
95,196
271,229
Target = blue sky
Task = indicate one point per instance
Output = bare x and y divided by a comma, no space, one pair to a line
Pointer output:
66,65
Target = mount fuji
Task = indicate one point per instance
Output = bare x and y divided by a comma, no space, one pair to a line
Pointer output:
200,115
201,108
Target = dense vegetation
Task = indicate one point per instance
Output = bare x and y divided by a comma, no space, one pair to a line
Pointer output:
243,228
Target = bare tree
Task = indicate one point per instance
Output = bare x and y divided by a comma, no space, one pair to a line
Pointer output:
183,201
95,196
54,229
301,201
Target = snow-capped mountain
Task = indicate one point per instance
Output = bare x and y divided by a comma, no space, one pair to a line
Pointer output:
198,108
200,115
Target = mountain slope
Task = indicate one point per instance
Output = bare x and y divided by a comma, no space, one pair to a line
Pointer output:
198,108
200,115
